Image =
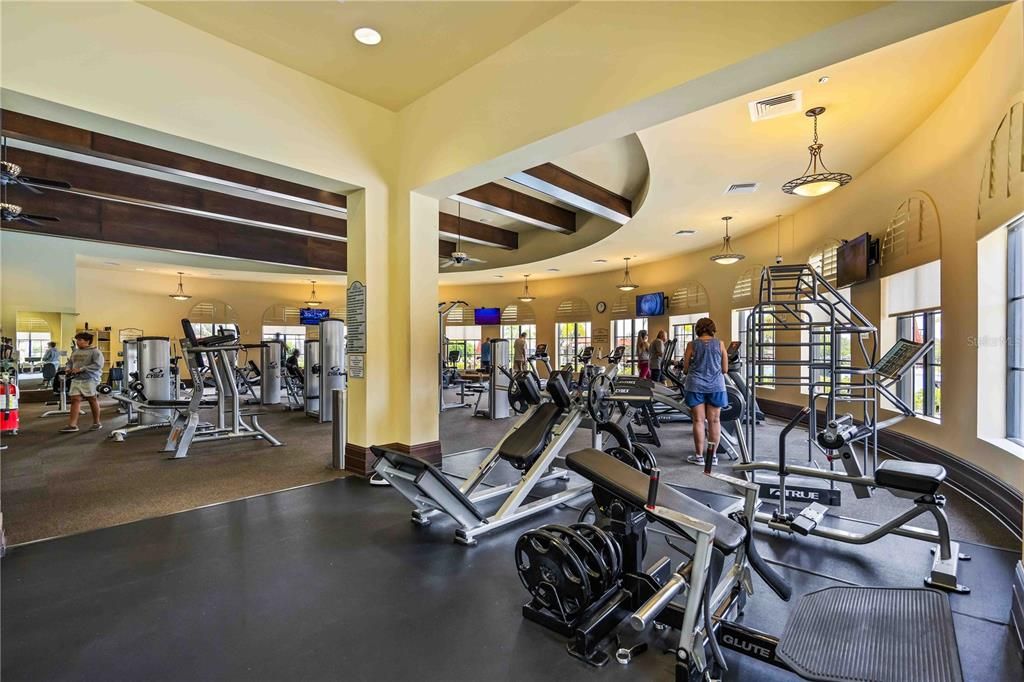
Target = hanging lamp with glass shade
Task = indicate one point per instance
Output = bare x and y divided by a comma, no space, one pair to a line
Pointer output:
817,178
727,256
526,297
627,283
180,294
313,300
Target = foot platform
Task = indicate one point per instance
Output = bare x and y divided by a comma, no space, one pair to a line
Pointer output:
849,634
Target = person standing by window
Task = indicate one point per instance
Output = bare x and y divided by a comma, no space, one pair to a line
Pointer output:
85,367
519,353
51,358
485,355
658,355
706,365
643,354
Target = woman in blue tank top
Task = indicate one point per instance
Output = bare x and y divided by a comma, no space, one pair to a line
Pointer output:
706,365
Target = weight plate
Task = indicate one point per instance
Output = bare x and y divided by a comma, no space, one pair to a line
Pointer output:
625,456
516,399
104,389
552,573
605,543
598,403
599,572
646,458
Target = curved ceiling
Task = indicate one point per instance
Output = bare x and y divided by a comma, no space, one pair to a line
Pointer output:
873,102
619,166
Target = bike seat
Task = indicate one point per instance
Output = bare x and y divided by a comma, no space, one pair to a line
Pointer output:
630,486
528,441
915,477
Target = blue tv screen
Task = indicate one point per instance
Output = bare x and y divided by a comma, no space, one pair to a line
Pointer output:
313,315
650,305
487,316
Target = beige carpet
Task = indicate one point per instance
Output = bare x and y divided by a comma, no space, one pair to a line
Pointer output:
55,484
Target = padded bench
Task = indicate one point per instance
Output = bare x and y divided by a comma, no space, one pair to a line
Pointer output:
526,443
914,477
630,485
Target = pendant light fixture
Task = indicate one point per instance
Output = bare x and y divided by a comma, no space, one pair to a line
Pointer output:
778,239
627,283
817,178
180,294
526,297
727,256
313,300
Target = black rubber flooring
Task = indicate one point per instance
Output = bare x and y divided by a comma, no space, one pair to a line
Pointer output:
332,581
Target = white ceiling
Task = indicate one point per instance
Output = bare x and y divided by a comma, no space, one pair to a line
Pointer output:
873,102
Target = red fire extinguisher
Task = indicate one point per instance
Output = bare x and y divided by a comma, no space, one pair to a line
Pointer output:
8,406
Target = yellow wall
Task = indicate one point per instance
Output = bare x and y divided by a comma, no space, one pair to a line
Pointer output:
557,90
943,157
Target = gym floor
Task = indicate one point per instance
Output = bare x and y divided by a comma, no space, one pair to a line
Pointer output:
56,484
331,581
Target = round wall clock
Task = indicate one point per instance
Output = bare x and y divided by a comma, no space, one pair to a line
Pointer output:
601,307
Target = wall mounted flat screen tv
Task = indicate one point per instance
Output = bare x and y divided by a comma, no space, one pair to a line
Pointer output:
650,305
484,316
313,315
852,261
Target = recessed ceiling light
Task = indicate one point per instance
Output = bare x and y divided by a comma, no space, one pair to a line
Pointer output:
367,35
140,269
553,270
685,233
600,260
823,80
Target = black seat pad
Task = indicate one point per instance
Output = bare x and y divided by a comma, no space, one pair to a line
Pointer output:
528,441
630,485
915,477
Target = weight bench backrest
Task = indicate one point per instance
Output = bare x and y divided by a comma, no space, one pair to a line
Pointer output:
559,392
630,485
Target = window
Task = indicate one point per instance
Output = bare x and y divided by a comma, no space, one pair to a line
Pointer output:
911,310
921,388
820,346
766,374
203,329
512,332
570,339
624,334
32,344
1015,333
292,337
466,340
683,331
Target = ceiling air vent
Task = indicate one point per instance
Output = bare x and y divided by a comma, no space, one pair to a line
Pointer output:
780,105
742,188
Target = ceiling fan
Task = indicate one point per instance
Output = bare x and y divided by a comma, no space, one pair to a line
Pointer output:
460,257
10,174
11,213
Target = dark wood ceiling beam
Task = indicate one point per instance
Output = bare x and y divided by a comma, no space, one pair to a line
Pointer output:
518,206
70,138
107,182
578,192
477,233
114,222
445,249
